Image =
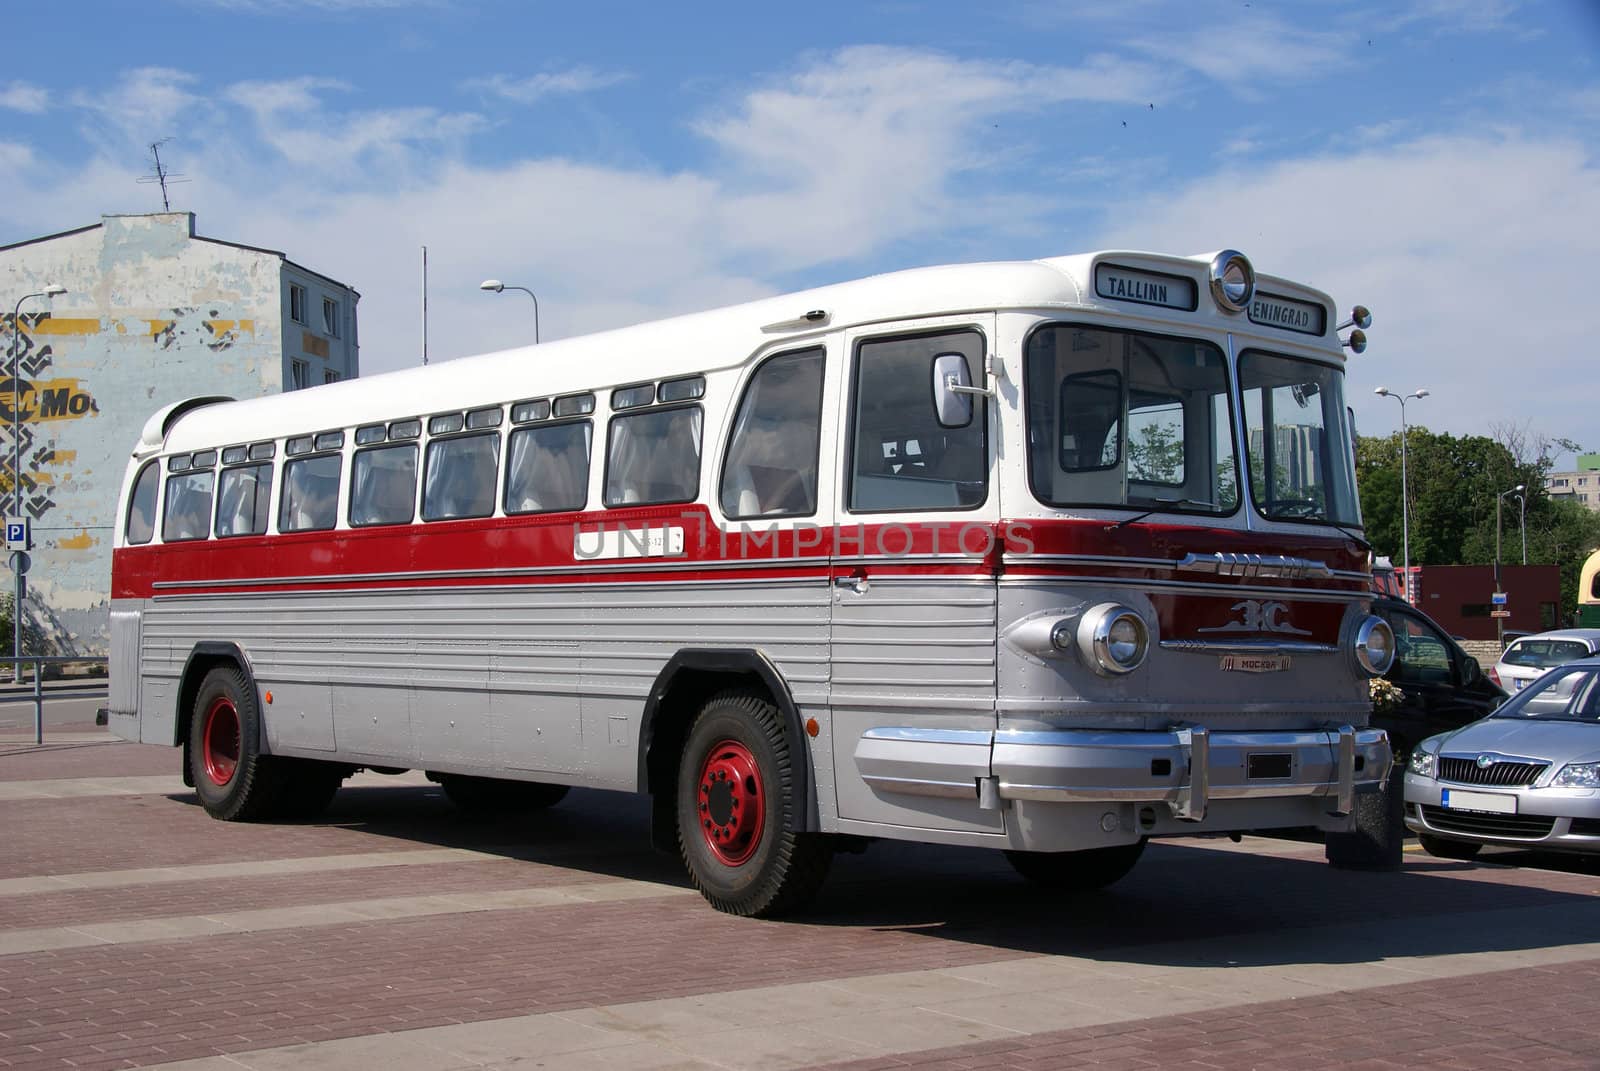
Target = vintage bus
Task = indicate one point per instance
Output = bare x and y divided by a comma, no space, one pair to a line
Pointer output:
1051,556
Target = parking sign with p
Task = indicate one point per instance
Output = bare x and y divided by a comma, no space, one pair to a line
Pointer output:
16,533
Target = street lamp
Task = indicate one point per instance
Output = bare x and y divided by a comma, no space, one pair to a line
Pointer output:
1405,506
495,286
1500,622
51,290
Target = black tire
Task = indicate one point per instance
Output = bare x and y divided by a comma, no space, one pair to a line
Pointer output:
1379,839
737,811
1443,848
307,787
492,795
234,780
1080,871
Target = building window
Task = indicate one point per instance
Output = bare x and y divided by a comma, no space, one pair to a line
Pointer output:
297,304
299,375
330,316
330,376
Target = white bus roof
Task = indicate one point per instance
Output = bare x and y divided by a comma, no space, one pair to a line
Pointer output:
685,345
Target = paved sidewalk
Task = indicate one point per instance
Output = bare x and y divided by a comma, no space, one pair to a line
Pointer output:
136,931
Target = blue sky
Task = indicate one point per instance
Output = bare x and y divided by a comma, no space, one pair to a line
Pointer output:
1433,159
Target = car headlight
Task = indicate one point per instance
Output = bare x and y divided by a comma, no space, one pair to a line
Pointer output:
1113,639
1422,763
1578,775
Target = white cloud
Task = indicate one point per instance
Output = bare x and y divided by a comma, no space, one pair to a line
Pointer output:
1467,249
290,119
143,106
861,148
1251,49
22,97
549,84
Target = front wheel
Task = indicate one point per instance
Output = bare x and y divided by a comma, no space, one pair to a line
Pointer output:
1080,871
736,811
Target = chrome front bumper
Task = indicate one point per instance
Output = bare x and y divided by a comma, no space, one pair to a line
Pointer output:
1184,767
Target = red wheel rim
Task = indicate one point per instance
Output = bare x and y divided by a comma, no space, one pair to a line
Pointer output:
219,744
731,802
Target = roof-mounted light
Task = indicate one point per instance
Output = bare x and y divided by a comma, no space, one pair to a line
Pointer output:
1233,280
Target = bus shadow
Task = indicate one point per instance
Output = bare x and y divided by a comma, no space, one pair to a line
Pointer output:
1255,904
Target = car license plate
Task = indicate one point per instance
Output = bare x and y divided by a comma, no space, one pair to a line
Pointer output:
1493,802
1521,685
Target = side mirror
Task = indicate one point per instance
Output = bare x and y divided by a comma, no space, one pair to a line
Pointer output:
953,390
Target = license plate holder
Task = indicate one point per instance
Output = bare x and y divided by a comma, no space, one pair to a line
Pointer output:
1254,663
1456,799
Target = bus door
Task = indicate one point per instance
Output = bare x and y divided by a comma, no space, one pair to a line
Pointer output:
912,644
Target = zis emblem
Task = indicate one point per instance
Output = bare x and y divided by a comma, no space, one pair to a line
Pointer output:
1256,615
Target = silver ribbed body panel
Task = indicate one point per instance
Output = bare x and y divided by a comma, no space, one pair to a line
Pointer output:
548,678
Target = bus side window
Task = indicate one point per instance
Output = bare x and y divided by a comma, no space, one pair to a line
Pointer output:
142,507
548,468
188,512
904,459
771,466
461,477
242,500
653,457
383,485
310,494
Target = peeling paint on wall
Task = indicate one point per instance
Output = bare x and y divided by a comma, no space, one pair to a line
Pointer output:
152,315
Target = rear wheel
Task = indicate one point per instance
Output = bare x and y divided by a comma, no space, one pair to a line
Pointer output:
492,795
1080,871
737,811
1443,848
234,780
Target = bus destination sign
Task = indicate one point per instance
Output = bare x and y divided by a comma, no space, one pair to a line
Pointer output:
1306,317
1144,287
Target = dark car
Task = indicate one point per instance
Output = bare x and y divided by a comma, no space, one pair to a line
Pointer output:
1441,686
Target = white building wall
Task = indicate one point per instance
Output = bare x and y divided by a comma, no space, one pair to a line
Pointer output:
152,315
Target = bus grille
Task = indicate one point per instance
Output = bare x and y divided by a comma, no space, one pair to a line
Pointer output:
1468,772
1520,826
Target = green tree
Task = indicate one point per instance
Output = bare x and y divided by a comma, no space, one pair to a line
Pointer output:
1452,485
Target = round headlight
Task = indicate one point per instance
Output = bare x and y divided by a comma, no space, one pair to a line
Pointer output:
1374,646
1233,280
1113,639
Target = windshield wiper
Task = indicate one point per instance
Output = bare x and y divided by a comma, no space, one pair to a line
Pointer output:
1160,504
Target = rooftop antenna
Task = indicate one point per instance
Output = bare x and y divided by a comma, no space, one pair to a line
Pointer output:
424,305
161,174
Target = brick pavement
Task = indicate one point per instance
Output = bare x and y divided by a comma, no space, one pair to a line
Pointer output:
1457,1024
912,930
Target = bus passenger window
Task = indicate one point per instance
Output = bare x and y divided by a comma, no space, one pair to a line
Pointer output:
188,514
242,500
771,466
653,457
142,506
384,485
904,459
461,477
548,468
310,494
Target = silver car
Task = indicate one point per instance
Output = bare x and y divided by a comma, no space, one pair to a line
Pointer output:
1527,776
1525,659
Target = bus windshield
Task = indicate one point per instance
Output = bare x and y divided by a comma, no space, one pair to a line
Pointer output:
1125,418
1295,426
